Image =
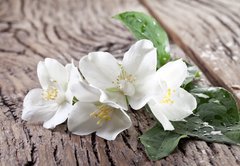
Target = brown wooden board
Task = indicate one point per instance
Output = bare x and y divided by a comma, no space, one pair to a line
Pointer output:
65,30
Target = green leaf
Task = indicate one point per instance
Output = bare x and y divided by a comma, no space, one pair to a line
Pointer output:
233,132
193,75
216,119
74,100
159,143
195,127
216,106
145,27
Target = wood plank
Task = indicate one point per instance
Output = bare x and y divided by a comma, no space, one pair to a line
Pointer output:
65,30
209,32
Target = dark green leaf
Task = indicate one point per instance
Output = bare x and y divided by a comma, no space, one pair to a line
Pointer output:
195,127
159,143
216,106
217,117
233,132
146,27
74,100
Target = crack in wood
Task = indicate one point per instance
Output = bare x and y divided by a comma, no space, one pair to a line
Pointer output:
24,44
108,153
22,5
10,105
94,143
76,156
32,145
55,155
88,158
7,28
13,51
45,26
125,140
57,33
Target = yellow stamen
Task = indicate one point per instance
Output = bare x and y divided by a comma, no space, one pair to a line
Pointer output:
103,113
124,76
167,98
50,94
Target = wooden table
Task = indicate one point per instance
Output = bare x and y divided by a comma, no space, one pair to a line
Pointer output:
207,31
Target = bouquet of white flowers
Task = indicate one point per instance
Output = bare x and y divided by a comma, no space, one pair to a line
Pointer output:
97,96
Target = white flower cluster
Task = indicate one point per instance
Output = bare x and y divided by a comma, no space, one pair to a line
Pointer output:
108,88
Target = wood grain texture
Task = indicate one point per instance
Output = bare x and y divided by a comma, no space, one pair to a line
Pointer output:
209,32
66,30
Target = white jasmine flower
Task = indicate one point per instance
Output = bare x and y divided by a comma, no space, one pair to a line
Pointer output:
90,115
53,102
175,103
133,79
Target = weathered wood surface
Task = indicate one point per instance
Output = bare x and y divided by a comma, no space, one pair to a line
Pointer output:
65,30
209,32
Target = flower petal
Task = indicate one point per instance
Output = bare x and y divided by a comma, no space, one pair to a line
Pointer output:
119,121
35,109
43,75
100,69
157,111
85,93
56,71
34,98
115,99
174,73
74,78
59,117
74,74
141,59
145,91
80,122
39,113
184,104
